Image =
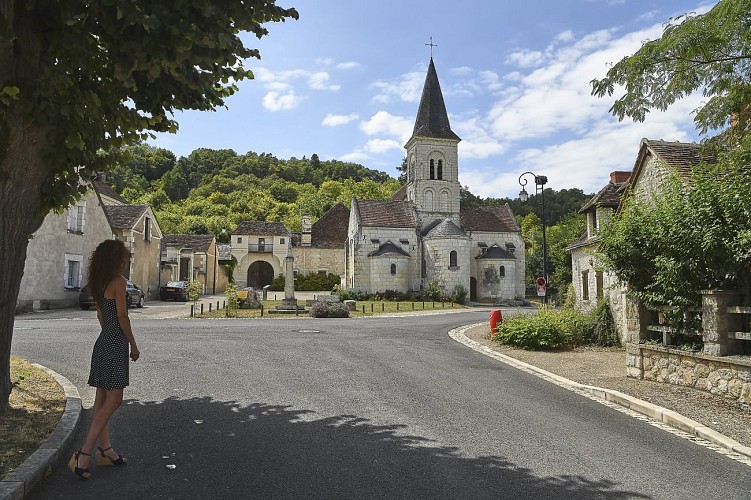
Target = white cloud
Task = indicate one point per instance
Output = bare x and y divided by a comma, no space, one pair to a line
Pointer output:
355,157
331,120
381,145
320,81
408,88
348,65
274,101
383,123
526,58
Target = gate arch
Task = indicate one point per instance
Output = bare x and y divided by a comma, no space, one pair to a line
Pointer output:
260,274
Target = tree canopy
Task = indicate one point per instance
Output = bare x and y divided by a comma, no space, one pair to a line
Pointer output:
82,78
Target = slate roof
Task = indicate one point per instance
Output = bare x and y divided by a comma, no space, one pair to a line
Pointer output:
388,248
261,228
104,189
384,213
496,252
445,228
196,242
609,196
493,218
432,120
583,240
400,195
330,231
124,216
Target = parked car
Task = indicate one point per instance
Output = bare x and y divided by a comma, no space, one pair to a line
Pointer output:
134,296
174,290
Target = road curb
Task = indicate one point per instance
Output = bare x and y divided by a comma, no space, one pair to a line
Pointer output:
19,483
658,413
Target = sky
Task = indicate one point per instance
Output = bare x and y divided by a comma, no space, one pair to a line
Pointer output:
344,82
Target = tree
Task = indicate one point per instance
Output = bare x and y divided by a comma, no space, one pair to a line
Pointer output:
710,52
83,77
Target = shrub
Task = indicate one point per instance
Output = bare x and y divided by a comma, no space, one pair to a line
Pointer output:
311,282
194,290
459,295
352,294
233,303
536,332
603,331
329,310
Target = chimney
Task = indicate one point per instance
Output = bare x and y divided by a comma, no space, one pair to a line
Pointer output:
619,176
306,232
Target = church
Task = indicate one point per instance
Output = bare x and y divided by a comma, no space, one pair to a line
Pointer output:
420,239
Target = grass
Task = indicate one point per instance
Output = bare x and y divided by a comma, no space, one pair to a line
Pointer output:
36,405
371,308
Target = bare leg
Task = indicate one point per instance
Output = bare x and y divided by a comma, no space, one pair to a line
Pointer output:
105,405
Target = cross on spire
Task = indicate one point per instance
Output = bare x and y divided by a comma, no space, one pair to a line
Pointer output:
431,44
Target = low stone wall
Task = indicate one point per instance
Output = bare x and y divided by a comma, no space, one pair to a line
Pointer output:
725,376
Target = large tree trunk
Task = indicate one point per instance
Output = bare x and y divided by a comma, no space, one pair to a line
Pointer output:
22,175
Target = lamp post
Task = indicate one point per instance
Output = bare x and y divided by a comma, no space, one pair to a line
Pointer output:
540,181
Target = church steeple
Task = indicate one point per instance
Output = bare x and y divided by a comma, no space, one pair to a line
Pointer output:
432,120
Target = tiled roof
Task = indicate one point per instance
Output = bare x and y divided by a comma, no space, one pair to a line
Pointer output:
445,228
388,248
261,228
124,216
400,195
493,218
105,189
196,242
583,240
609,196
496,252
679,155
384,213
432,120
330,231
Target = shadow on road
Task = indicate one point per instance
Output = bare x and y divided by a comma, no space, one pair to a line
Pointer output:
226,450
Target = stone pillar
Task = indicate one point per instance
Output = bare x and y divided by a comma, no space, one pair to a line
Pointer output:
289,281
716,322
636,320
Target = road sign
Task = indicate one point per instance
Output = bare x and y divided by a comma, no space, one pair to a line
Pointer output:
541,286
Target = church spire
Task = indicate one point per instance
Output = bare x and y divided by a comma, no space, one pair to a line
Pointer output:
432,120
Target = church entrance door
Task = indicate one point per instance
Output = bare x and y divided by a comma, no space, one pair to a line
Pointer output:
260,274
473,289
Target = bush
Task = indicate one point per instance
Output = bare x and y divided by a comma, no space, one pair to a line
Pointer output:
352,294
602,326
536,332
311,282
459,295
329,310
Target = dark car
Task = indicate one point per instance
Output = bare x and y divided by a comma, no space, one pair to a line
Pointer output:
134,296
174,290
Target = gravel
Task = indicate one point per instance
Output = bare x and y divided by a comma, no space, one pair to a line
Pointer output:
606,367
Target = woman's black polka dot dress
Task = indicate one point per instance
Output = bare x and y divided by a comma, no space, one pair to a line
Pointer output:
109,361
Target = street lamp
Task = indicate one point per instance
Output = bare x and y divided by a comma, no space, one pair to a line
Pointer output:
540,181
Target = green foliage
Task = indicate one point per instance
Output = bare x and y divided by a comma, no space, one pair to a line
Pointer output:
693,236
233,303
707,52
329,310
194,290
602,329
459,294
312,282
536,332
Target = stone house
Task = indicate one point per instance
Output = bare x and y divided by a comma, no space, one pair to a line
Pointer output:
423,236
260,249
319,247
192,257
57,257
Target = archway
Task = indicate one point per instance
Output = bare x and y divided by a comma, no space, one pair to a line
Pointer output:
260,274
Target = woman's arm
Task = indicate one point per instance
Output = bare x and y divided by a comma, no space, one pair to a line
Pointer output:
123,319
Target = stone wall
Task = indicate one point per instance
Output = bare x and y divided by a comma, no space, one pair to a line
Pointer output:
312,260
725,376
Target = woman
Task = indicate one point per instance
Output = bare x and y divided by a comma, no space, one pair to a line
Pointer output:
109,360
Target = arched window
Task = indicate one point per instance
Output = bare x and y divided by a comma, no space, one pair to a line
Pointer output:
429,200
432,169
502,271
393,268
445,204
452,258
440,169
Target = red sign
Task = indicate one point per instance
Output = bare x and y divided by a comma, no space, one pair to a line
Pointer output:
540,281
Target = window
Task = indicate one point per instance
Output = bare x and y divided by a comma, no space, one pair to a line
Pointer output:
594,221
261,244
585,286
147,229
393,269
502,271
440,169
452,259
322,272
432,170
239,239
72,278
281,241
76,217
599,284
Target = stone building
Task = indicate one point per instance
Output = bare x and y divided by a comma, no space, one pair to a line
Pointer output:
423,237
192,257
57,257
260,249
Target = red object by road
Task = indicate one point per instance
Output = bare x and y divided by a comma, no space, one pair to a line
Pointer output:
496,318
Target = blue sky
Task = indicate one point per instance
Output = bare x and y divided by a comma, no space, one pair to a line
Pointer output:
344,82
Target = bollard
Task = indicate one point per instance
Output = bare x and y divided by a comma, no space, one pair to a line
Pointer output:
224,304
383,307
423,304
191,311
209,306
443,305
397,306
202,307
434,304
413,306
262,310
371,308
363,309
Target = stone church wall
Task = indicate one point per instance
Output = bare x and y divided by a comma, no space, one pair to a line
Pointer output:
313,260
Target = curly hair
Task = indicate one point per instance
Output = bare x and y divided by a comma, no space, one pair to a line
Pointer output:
106,262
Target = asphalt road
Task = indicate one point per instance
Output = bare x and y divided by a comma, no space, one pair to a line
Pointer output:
385,407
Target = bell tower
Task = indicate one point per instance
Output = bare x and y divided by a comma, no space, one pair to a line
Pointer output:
432,158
